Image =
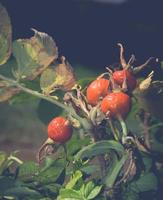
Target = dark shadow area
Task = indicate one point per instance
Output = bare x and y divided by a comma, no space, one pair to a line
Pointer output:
87,32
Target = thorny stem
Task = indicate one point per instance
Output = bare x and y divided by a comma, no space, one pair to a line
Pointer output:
84,122
42,96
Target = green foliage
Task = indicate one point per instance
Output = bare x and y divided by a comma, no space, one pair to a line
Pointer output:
58,76
51,173
85,191
146,183
34,55
5,35
29,179
3,158
27,170
98,148
113,159
75,177
113,174
73,146
21,192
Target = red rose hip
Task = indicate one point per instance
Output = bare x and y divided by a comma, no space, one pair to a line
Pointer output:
59,130
120,75
97,89
116,103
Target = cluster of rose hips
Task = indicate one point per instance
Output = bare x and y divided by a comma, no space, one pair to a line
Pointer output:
112,96
114,102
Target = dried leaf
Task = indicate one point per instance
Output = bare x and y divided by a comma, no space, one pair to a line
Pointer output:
65,71
59,76
146,84
5,35
150,96
34,55
129,168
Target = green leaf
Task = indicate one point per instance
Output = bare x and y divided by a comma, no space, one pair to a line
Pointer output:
48,162
94,192
52,189
58,76
133,122
73,145
5,35
3,158
88,188
69,194
21,192
51,173
47,80
22,97
111,177
28,170
89,169
34,55
147,162
129,194
75,177
98,148
156,137
145,183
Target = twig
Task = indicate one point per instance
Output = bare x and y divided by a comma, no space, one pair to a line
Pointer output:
42,96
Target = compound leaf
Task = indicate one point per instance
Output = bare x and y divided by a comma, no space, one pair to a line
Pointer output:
34,55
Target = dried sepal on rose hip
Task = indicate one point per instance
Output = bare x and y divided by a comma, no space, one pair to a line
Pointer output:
59,131
96,90
116,104
126,75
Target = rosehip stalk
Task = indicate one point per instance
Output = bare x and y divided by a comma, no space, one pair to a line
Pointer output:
124,128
